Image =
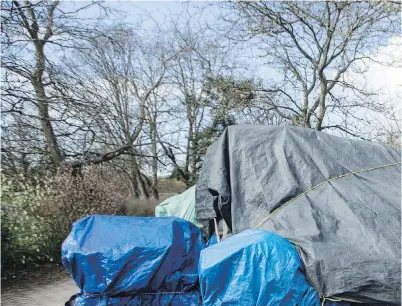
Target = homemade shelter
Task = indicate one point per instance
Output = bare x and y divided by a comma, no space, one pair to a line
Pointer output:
117,260
314,219
337,200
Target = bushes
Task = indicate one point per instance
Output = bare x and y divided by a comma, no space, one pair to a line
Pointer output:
37,213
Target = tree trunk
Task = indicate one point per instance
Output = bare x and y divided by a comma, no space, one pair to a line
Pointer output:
194,157
189,137
134,185
193,153
154,184
142,189
46,124
188,148
155,194
323,95
43,105
306,118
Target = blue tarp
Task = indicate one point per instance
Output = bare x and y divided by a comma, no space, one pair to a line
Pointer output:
153,261
254,267
213,240
110,255
178,299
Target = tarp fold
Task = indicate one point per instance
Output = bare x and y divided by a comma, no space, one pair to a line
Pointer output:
145,260
337,200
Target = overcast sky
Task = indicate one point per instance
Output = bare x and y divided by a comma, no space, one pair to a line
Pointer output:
378,76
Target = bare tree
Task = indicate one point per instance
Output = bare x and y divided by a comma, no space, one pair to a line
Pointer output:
313,47
35,34
23,21
149,99
199,59
119,75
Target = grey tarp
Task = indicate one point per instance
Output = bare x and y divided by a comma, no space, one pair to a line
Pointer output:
347,230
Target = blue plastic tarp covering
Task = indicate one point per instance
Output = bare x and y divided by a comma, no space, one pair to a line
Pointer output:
157,299
254,267
110,255
213,240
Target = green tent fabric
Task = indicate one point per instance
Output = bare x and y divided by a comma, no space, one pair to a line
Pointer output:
181,205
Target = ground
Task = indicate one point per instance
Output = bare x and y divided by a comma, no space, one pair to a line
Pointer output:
49,286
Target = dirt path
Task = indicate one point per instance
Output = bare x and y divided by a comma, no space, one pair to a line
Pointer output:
50,286
54,294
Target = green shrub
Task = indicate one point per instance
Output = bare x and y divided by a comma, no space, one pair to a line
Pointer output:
37,213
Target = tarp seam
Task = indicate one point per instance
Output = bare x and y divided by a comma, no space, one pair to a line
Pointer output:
320,184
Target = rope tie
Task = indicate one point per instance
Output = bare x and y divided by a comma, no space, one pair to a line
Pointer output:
320,184
311,189
218,239
329,299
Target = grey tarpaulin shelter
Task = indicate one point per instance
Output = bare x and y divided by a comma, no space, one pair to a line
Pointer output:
338,200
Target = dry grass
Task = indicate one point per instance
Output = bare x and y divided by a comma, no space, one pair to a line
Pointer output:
142,207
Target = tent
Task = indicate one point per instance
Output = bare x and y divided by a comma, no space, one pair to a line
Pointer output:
337,200
117,260
181,205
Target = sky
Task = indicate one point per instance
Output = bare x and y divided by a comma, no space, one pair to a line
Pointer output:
377,77
385,78
388,79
